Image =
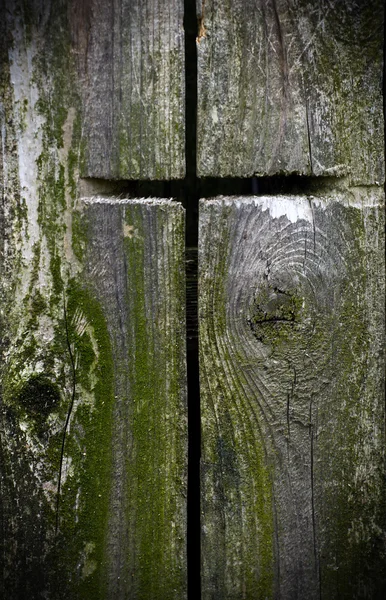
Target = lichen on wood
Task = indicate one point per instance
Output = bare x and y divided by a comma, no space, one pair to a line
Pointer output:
58,403
135,265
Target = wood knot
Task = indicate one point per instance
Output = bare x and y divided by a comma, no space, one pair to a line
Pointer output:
38,397
274,313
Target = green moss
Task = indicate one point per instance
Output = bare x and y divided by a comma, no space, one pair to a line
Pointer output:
275,314
36,308
84,499
38,380
79,236
158,458
240,505
353,511
59,105
84,503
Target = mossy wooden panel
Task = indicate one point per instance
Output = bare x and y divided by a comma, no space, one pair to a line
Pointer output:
130,57
40,146
94,431
135,265
290,87
291,321
60,376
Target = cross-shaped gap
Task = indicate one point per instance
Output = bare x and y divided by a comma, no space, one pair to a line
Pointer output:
188,191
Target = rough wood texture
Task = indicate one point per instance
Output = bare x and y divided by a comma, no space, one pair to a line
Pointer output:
94,455
135,267
131,62
63,383
291,315
290,86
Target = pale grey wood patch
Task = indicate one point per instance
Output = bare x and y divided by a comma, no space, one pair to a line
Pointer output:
291,321
135,267
131,63
290,87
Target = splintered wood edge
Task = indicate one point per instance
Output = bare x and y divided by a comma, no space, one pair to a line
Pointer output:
114,200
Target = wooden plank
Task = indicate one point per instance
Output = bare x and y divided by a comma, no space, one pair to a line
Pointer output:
135,265
290,87
131,64
291,317
69,466
95,450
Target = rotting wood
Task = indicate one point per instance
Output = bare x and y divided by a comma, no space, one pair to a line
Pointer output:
291,87
291,318
130,57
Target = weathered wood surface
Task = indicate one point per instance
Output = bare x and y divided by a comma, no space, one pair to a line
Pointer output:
135,266
130,56
291,317
289,87
94,436
64,386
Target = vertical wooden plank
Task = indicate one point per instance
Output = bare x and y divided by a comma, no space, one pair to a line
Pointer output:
290,87
132,69
40,133
291,316
100,477
68,378
135,267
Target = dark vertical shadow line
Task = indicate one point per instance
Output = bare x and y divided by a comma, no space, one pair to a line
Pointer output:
190,201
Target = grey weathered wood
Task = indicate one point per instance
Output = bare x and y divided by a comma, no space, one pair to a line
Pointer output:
291,316
289,87
135,267
131,63
92,418
94,457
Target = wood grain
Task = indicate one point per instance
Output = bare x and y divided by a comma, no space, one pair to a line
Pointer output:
130,57
94,432
290,87
93,383
291,317
135,265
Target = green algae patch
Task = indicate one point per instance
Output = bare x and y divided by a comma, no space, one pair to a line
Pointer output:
155,306
138,280
39,396
352,506
292,396
275,314
58,421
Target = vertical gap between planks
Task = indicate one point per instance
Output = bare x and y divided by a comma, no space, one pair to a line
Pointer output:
191,204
